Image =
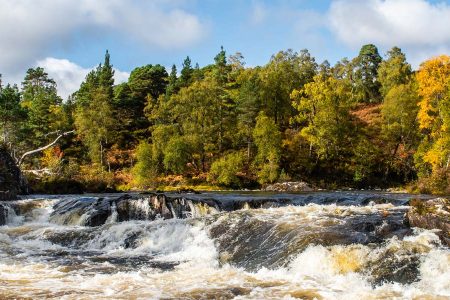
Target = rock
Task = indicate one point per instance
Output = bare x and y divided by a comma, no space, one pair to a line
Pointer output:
12,182
395,265
93,212
3,215
289,187
431,214
99,212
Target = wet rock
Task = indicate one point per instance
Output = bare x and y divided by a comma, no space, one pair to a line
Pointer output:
395,265
431,214
288,187
3,215
379,227
98,213
70,211
129,208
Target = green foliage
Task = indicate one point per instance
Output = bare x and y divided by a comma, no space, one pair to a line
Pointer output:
94,115
144,171
172,85
94,123
106,76
186,73
268,142
224,170
12,115
39,98
148,80
399,113
286,71
366,73
394,71
362,122
324,107
177,155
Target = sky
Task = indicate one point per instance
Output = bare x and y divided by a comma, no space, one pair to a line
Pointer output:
69,37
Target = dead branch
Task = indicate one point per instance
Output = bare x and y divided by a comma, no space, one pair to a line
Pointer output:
20,161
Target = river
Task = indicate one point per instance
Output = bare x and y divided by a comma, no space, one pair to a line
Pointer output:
240,245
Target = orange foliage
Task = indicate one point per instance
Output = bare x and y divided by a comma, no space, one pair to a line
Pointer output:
369,114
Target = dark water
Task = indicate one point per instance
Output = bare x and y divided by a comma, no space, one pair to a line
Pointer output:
240,245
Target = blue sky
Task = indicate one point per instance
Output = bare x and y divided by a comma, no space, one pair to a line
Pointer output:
69,37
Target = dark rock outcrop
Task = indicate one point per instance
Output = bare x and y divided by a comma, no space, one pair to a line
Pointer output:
12,182
431,214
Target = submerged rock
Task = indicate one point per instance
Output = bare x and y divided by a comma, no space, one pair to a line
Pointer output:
289,187
431,214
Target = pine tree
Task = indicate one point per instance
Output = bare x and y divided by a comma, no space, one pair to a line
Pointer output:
94,115
172,86
366,73
39,98
186,73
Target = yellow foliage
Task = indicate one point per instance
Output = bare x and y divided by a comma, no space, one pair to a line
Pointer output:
51,159
433,78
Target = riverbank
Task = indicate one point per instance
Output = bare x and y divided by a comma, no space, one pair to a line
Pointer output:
122,182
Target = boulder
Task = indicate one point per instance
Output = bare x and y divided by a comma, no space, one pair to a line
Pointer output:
431,214
289,187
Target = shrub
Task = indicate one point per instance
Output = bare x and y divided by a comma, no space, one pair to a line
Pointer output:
176,155
224,170
436,183
144,171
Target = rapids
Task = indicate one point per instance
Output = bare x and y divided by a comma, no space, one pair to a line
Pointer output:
330,245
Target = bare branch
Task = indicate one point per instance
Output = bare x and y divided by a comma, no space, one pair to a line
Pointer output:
20,161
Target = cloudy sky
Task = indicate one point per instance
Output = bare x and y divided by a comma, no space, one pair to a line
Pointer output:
69,37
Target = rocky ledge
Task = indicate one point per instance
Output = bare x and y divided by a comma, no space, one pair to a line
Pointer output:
289,187
431,214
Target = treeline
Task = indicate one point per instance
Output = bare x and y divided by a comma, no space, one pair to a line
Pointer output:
364,122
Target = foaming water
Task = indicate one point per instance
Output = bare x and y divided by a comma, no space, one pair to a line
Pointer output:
315,251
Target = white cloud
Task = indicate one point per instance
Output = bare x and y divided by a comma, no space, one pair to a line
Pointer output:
30,28
68,75
417,25
258,13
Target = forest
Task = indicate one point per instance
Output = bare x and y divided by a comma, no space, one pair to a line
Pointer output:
366,122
